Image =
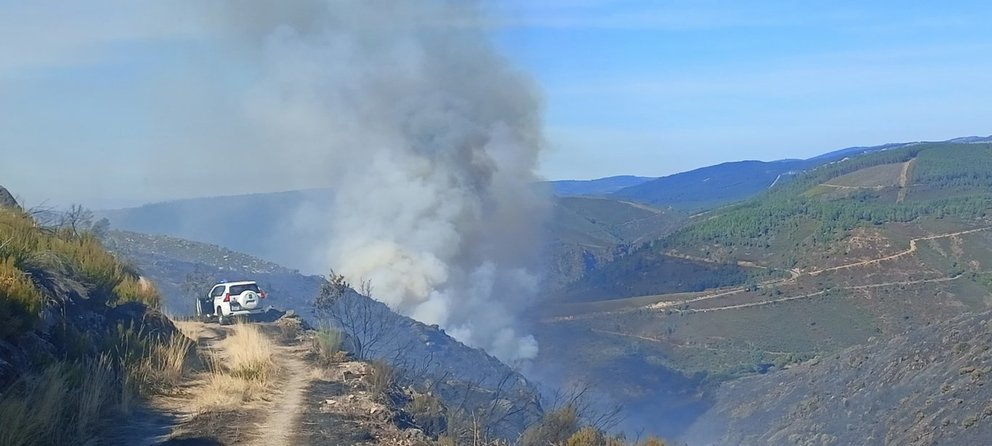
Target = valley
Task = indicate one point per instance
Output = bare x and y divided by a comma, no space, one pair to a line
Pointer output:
655,307
495,223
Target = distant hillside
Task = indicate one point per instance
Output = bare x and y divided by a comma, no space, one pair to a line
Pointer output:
711,186
854,151
597,187
641,275
927,179
731,182
971,139
582,233
589,232
168,261
257,224
866,246
264,225
464,376
927,386
797,224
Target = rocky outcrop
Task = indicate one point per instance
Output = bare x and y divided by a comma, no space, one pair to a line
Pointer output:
927,386
7,200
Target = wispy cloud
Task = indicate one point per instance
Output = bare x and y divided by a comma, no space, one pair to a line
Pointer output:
46,34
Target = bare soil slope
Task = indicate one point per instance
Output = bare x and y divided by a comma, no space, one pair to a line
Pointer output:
924,387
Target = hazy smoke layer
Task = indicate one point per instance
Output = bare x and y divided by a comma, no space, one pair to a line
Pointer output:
430,141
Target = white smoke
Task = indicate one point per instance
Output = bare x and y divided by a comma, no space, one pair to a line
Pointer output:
430,141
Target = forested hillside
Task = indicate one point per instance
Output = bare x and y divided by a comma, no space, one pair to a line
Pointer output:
711,186
594,188
944,180
867,246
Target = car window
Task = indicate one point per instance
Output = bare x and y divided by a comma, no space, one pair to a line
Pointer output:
217,291
238,289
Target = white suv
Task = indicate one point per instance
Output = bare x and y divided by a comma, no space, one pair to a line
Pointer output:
229,299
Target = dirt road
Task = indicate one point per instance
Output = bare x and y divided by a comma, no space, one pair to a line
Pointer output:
297,400
911,250
212,410
280,425
904,181
795,274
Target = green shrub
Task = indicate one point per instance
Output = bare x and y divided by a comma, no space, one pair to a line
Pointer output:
327,343
72,399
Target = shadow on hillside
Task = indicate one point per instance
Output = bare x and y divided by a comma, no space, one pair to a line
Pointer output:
197,441
144,426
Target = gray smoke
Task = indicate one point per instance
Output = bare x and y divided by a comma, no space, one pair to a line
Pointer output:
429,141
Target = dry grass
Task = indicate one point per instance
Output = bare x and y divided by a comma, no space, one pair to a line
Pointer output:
191,329
242,374
65,404
428,413
290,328
151,364
381,380
71,399
250,354
224,391
167,362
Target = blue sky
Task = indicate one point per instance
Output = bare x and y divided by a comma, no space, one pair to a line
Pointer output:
629,87
652,88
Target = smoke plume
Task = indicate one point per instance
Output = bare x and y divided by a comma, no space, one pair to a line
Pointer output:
429,141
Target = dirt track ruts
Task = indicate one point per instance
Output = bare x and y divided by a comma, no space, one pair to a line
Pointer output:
279,428
795,275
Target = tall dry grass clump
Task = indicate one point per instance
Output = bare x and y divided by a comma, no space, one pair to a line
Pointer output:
166,363
150,363
66,404
250,354
242,374
133,289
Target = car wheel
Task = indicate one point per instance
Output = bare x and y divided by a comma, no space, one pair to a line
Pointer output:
220,316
